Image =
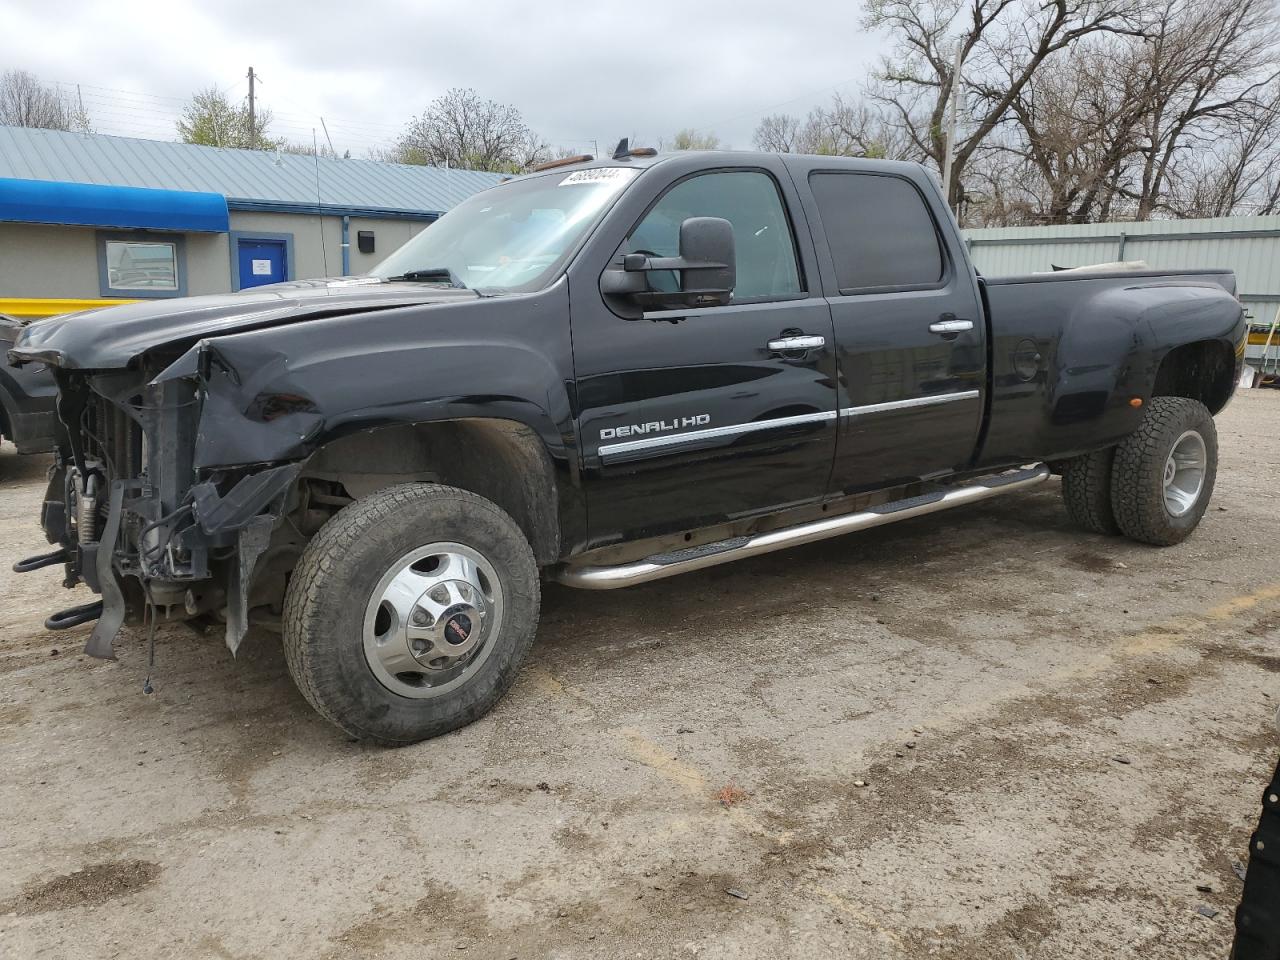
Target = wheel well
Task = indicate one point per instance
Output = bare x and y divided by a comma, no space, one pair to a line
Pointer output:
1203,371
501,460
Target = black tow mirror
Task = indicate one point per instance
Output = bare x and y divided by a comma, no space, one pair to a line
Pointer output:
706,269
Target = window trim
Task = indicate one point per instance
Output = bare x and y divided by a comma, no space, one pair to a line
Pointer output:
233,246
948,262
108,292
803,293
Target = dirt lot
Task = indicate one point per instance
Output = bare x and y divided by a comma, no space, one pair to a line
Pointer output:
981,735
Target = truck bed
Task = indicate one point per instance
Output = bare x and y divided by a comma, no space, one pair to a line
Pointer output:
1070,351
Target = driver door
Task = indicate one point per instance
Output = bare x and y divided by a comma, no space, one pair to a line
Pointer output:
695,416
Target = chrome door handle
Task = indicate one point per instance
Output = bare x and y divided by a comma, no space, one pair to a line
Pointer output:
951,326
792,344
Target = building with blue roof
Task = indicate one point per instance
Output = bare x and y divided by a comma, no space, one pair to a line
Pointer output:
87,216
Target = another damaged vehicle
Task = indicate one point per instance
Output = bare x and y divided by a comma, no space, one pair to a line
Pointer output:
603,373
27,394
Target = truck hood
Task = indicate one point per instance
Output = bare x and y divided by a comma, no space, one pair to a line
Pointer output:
111,337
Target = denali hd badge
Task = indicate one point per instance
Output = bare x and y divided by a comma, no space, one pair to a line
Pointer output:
654,426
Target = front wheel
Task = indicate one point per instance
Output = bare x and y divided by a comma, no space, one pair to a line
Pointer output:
1163,473
410,612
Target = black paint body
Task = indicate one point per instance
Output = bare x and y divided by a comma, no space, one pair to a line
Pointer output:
1048,370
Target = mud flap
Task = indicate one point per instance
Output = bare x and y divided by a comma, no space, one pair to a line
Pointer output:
252,540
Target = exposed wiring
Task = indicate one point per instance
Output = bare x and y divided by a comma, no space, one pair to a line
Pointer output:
148,553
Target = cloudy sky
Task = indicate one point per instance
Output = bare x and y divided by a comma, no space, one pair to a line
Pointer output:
578,71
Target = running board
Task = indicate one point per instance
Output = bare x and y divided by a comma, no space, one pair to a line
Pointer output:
662,565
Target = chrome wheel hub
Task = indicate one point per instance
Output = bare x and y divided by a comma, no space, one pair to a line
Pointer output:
428,622
1184,473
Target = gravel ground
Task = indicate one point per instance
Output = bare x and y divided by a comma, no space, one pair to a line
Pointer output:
981,734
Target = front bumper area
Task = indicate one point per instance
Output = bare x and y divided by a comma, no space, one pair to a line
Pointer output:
139,525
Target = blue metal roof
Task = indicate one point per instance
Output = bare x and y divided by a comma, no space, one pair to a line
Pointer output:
91,205
249,179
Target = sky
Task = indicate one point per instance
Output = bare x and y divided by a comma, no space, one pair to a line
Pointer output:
577,71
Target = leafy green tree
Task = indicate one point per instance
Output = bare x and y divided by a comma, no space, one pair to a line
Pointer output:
212,120
691,139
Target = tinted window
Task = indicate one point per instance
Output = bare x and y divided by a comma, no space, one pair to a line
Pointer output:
762,234
879,231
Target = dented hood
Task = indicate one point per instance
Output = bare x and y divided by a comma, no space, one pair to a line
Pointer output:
111,337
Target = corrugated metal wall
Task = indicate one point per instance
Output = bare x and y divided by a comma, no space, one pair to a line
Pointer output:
1248,245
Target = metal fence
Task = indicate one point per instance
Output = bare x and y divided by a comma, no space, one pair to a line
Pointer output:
1248,245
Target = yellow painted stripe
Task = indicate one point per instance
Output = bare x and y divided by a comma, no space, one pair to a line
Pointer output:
51,307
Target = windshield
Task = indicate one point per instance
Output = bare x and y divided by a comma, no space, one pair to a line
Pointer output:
512,237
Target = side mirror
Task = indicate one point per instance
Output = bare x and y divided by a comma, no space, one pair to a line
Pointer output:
706,266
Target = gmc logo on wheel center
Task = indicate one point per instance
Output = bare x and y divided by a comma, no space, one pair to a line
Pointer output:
654,426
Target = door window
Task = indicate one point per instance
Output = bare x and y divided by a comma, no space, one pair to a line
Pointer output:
880,232
749,200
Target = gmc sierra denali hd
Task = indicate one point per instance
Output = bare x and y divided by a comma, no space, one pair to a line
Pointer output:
602,373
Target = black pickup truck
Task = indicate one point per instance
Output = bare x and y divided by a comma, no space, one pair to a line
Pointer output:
602,373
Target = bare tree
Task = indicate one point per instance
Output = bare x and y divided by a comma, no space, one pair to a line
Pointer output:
1180,119
1210,68
26,102
1077,125
460,129
1003,43
847,128
780,133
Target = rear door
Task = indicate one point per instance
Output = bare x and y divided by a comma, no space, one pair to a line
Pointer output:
694,416
908,325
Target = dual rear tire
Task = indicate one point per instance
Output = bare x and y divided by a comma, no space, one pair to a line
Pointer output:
1153,487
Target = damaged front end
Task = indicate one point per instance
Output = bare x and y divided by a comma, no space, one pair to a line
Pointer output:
138,521
186,427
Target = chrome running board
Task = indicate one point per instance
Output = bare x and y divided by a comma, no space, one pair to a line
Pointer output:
662,565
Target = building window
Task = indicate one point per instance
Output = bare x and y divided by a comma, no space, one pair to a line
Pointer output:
141,266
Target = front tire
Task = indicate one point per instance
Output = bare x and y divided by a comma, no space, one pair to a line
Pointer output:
1164,472
410,612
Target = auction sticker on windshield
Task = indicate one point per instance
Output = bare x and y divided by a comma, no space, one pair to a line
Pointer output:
615,176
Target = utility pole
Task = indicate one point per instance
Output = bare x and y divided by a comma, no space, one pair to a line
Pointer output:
253,128
951,126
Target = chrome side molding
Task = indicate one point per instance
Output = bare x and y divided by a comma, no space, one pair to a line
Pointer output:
929,401
660,566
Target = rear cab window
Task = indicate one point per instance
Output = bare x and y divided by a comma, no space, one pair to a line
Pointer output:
880,232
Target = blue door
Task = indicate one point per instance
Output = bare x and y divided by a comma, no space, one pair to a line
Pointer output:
261,261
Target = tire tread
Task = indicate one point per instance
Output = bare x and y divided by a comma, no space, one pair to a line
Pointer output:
1137,474
306,617
1086,491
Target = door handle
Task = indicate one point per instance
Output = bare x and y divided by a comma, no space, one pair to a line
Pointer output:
951,326
792,344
